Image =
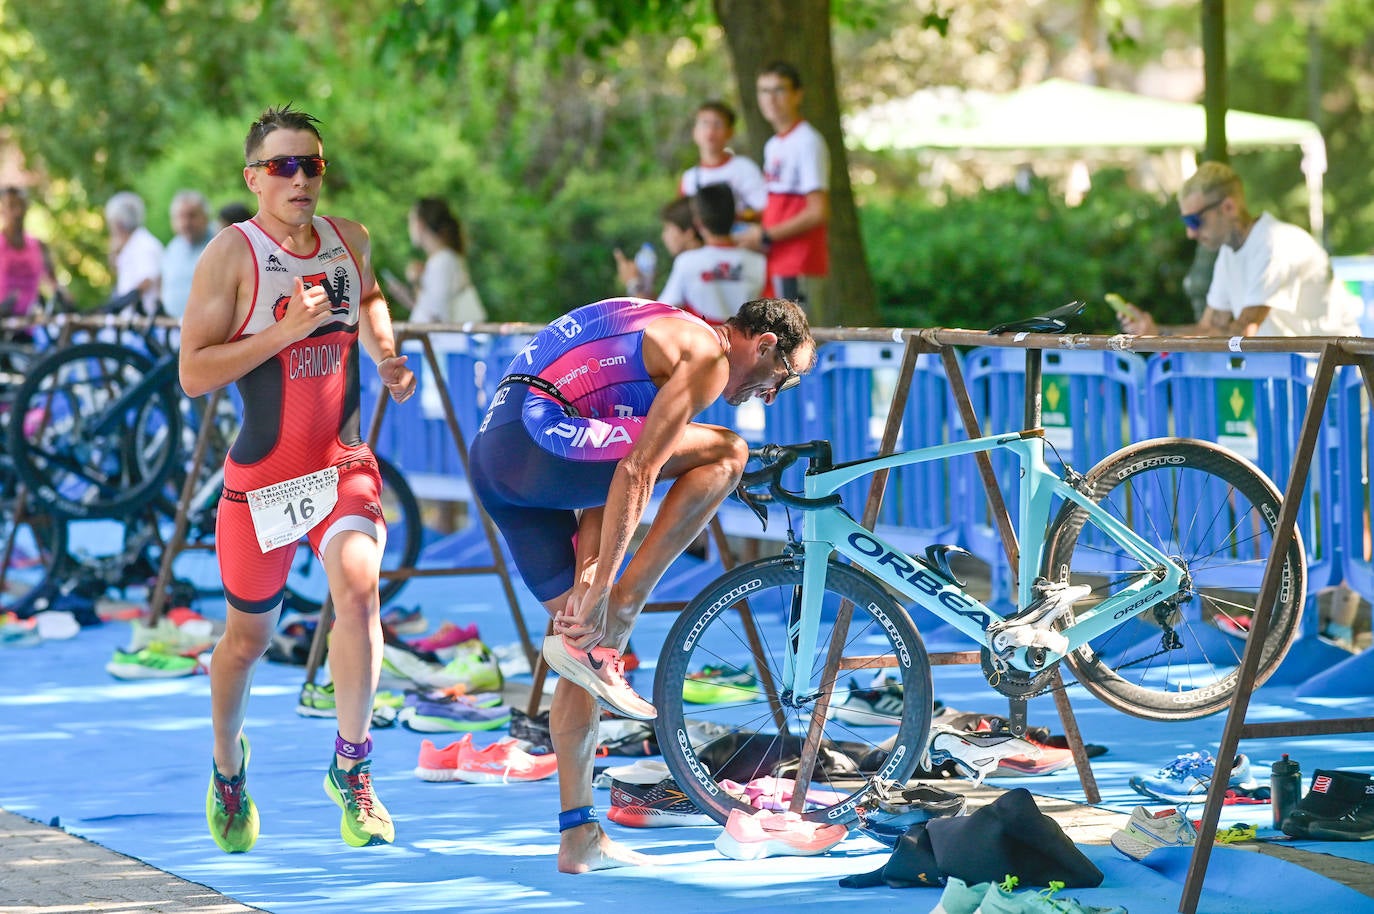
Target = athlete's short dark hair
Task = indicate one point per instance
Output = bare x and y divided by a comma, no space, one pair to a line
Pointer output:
779,316
283,117
785,70
719,107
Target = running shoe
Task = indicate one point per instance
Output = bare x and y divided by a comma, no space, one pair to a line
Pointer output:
474,666
449,716
448,637
659,805
402,667
976,754
533,731
1001,899
644,772
600,672
500,763
877,707
365,821
229,810
1147,831
713,685
152,662
318,701
770,834
961,898
775,793
1338,807
17,632
1049,760
404,621
458,692
1187,778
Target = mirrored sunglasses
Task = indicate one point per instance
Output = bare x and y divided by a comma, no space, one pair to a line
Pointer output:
287,166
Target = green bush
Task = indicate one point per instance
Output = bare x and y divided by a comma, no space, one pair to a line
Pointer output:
1002,254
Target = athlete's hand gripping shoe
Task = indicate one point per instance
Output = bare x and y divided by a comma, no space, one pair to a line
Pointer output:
601,672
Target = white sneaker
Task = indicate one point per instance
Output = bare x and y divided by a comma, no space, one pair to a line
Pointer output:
601,672
1149,830
976,754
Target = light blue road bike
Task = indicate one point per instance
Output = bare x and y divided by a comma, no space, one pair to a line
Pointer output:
1141,577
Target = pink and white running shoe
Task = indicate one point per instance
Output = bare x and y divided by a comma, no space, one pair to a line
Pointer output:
780,834
601,672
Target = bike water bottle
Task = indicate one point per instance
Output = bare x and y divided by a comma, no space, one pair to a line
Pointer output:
646,261
1285,787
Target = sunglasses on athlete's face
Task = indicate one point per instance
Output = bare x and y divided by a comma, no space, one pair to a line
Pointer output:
287,166
792,379
1194,220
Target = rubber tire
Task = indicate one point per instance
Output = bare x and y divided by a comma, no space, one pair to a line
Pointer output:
1243,480
707,618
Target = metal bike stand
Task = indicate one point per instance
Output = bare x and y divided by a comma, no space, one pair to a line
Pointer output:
1236,729
158,603
497,567
915,345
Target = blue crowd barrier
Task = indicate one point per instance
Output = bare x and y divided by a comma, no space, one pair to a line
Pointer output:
1091,405
1254,404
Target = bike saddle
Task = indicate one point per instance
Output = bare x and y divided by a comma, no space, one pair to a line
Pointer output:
1055,321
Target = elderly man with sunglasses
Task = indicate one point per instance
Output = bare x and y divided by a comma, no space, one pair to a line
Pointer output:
588,417
1270,279
278,306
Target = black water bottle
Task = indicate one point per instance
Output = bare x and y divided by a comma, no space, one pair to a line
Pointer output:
1285,787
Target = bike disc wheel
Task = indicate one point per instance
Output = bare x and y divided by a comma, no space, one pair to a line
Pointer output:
1215,514
735,726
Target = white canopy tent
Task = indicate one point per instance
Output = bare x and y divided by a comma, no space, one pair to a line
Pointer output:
1059,116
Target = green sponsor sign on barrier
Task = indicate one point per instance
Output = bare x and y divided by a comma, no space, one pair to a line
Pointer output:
1236,417
1054,410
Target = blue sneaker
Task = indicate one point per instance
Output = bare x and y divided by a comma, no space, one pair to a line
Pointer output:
1187,778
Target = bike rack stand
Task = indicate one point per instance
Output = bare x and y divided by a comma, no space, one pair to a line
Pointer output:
1236,729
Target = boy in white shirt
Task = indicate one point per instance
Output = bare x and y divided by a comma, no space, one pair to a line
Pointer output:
712,281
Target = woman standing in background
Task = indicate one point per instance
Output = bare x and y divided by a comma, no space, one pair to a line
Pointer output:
444,293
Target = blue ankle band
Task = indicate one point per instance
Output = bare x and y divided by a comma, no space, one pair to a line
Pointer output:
572,818
353,751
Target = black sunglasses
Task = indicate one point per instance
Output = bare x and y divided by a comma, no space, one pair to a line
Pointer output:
1194,220
792,379
287,166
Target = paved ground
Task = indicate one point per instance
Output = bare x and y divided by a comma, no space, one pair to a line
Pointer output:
44,870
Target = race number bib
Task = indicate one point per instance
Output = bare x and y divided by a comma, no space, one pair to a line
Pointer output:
286,511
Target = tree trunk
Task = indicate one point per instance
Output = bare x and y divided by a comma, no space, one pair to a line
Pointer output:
757,33
1214,73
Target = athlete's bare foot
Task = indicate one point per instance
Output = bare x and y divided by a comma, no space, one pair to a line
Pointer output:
587,848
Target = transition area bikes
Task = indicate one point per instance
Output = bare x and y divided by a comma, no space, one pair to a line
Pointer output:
98,443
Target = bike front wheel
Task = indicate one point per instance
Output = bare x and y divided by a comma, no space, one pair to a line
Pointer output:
732,736
1213,513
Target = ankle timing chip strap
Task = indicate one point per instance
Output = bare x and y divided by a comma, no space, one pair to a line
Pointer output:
353,751
572,818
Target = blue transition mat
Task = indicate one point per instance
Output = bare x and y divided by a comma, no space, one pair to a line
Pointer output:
125,764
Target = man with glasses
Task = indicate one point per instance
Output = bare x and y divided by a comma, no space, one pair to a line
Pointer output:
1270,279
588,417
278,306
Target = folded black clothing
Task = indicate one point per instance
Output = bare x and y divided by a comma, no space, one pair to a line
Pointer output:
1009,836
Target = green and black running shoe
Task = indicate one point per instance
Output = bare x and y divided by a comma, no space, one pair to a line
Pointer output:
229,810
365,820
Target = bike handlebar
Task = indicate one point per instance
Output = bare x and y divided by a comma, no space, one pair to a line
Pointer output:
776,459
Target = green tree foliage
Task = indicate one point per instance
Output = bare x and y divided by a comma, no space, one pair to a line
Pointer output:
1002,254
